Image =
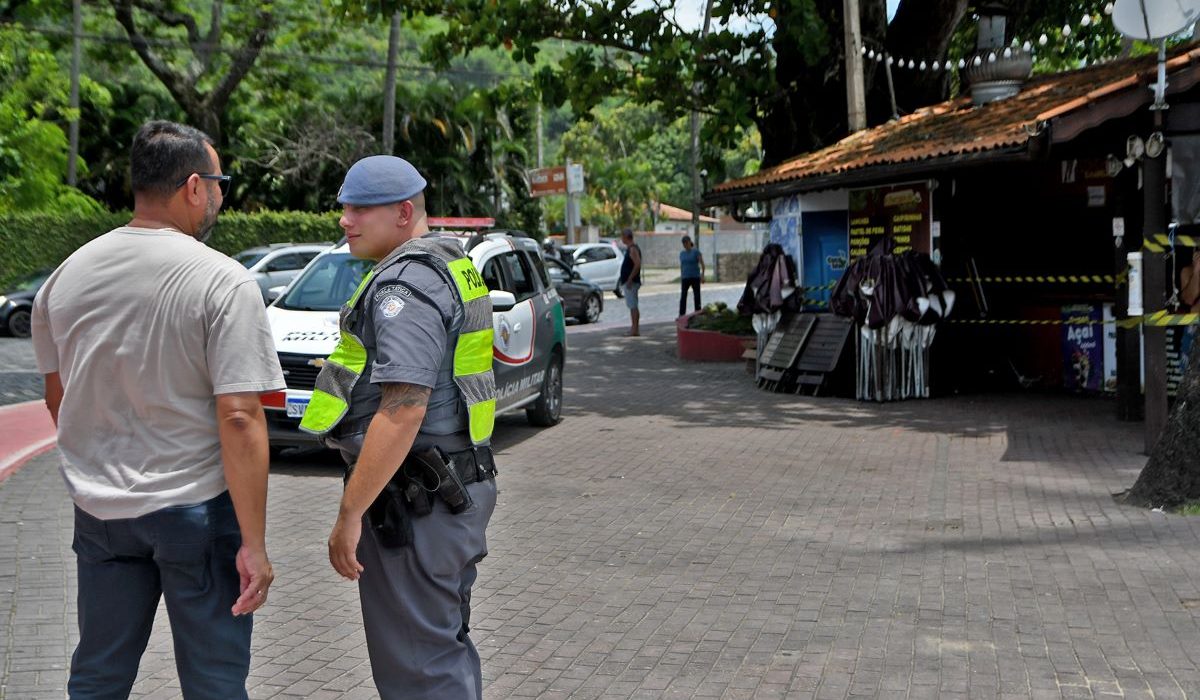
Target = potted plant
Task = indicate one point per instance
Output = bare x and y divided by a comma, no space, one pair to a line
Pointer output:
716,333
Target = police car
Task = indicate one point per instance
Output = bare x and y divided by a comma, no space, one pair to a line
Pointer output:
527,316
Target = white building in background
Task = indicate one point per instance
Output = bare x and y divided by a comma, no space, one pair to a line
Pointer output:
671,219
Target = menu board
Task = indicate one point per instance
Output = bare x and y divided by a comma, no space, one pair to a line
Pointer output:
900,212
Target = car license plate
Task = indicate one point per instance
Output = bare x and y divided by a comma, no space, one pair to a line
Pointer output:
295,407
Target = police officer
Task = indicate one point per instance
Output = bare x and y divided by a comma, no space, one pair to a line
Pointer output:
411,377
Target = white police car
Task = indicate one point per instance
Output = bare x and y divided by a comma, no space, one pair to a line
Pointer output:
530,332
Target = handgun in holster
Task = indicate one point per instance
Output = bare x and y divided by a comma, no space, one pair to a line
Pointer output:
432,470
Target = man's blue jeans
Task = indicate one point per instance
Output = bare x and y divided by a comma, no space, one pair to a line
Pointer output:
187,555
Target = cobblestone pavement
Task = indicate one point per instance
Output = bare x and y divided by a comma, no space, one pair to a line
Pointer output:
684,535
19,378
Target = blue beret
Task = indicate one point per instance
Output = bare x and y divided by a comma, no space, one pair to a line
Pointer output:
380,180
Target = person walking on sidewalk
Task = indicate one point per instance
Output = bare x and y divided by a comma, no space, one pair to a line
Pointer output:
154,349
409,399
691,271
630,280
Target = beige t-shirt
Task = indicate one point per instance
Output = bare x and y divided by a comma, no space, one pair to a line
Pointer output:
145,328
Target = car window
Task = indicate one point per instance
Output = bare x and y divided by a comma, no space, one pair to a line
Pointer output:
306,258
290,261
248,259
557,271
598,254
540,267
327,284
492,276
517,266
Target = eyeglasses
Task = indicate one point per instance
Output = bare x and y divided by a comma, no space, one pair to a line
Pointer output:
222,181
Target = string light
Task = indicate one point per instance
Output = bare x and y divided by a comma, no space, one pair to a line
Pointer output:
1012,51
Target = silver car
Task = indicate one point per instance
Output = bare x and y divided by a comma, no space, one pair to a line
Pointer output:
276,265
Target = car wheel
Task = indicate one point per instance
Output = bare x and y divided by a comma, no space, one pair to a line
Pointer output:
592,306
619,292
19,323
547,410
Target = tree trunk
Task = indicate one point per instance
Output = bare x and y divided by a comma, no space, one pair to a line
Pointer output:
1171,477
798,119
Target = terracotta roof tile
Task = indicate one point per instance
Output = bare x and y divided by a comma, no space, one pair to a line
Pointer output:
957,128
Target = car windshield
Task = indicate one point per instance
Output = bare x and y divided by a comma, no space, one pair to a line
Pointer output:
248,259
29,283
326,284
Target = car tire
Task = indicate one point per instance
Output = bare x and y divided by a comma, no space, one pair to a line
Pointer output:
547,410
20,323
592,306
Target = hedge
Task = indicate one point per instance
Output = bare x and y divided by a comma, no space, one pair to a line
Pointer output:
31,242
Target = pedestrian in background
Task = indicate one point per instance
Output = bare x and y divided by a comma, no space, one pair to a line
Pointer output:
630,280
409,399
154,349
691,271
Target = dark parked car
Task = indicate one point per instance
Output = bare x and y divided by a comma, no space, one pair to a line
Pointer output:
580,298
17,303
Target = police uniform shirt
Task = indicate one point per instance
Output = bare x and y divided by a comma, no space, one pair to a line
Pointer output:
409,322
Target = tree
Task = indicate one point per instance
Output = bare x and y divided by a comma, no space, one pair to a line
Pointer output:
784,76
1170,477
33,147
203,82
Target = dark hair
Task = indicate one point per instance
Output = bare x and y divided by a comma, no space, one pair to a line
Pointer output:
626,232
686,239
164,153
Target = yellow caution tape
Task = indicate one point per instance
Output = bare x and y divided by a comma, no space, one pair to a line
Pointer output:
1161,242
1042,279
1158,318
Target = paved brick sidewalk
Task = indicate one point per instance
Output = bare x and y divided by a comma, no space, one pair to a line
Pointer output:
684,535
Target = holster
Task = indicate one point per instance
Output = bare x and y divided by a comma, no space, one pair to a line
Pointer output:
389,518
432,471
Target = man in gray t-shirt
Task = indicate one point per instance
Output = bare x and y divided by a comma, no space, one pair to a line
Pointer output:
155,349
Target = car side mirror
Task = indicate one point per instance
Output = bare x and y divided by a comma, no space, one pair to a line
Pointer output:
502,300
275,292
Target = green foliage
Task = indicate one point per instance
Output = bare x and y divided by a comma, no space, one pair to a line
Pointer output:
719,318
33,146
36,241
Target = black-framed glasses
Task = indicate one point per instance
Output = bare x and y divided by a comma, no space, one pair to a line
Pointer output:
221,180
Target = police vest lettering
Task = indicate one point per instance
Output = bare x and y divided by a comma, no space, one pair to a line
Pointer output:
472,354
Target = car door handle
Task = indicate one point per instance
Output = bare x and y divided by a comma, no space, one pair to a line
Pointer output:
516,328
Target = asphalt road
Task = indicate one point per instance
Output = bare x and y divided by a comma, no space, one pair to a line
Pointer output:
660,302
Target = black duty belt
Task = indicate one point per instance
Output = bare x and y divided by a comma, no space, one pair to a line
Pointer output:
474,464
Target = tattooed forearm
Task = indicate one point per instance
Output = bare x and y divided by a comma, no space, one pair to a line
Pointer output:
397,396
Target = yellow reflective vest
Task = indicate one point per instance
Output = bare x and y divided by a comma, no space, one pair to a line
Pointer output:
472,355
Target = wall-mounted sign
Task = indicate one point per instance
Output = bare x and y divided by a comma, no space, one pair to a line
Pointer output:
548,181
900,212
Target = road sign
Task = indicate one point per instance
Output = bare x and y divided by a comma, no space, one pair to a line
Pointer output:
575,178
547,181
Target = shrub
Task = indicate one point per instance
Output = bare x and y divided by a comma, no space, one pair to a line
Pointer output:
722,319
35,241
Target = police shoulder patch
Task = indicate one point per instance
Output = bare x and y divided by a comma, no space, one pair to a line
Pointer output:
391,306
392,290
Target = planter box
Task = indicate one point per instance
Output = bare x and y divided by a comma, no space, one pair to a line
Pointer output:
708,346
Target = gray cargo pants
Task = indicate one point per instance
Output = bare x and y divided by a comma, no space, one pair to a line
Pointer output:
416,603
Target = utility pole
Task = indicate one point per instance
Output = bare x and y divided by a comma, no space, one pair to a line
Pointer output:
1154,287
695,124
73,128
570,209
539,132
856,101
389,87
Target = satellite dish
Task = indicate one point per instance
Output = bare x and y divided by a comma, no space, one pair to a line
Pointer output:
1152,20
